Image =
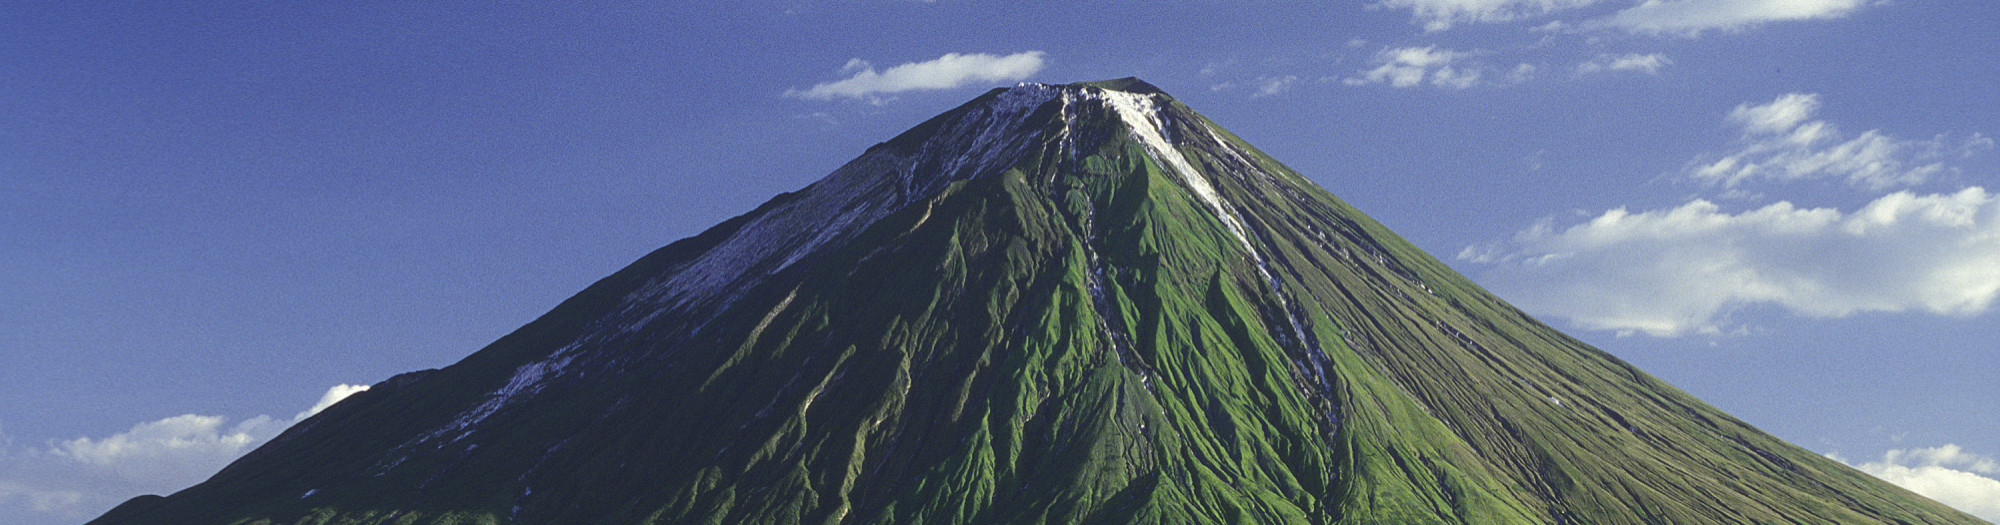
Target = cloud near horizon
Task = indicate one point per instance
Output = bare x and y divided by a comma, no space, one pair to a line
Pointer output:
1962,480
1685,270
950,71
83,477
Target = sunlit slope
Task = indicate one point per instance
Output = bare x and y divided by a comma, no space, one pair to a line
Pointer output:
1054,304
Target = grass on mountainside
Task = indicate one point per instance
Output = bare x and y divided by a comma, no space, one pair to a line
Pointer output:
1077,339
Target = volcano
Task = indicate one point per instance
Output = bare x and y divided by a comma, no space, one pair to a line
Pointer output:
1080,303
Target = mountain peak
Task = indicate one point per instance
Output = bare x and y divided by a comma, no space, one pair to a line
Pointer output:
1127,84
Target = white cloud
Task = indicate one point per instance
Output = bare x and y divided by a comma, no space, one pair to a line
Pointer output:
1782,114
1948,474
332,395
1649,63
1522,73
1659,17
1273,85
1685,270
82,477
1261,86
1438,15
1415,66
170,450
946,72
43,500
1780,142
1691,17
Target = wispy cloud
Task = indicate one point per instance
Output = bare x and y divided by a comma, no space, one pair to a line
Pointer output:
1781,142
1691,17
1418,66
952,70
1965,481
1439,15
79,478
1274,85
1522,73
1686,269
1648,63
1657,17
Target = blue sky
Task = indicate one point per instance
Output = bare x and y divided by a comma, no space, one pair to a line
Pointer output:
214,219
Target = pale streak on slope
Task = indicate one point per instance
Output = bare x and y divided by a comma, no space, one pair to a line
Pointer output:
1142,115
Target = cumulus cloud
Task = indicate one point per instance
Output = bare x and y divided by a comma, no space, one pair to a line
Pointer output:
946,72
79,478
1648,63
1438,15
1691,17
164,452
332,395
1948,474
1416,66
1686,269
1781,142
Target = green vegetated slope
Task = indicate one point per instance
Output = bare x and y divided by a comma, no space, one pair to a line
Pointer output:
1074,334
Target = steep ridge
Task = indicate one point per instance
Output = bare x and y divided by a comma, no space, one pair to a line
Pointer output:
1081,303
